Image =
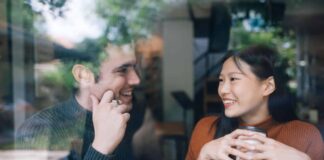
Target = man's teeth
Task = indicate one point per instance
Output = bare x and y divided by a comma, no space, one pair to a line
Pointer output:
126,93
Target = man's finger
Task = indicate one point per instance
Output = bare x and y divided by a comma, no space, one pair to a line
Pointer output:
107,97
122,108
126,116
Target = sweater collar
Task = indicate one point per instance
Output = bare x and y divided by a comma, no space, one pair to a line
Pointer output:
76,107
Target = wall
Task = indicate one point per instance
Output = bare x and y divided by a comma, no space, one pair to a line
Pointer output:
177,71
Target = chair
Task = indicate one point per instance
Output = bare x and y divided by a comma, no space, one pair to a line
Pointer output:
321,129
177,131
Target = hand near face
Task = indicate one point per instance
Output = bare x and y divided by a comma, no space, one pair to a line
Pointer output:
270,149
221,148
110,121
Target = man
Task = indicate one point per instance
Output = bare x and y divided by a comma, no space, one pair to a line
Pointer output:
97,115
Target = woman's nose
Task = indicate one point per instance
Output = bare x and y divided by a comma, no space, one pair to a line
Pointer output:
223,88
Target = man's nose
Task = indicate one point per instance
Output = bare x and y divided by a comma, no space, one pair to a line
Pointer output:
133,78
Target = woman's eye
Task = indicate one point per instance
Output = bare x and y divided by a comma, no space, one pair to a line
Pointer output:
233,79
220,80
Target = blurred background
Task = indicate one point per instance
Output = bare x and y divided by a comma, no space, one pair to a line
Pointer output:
179,44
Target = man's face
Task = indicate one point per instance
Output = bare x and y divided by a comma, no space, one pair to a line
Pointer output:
117,73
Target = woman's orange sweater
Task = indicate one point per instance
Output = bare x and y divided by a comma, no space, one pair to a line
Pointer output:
300,135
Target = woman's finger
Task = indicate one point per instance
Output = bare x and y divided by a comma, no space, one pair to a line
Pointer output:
237,153
241,132
260,155
261,138
239,143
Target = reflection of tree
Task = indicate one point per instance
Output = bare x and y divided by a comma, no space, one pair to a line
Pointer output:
53,88
55,6
283,41
129,19
125,20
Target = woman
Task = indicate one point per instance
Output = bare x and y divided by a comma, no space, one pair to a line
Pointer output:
248,87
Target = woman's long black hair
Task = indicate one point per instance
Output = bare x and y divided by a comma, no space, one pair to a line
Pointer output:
262,60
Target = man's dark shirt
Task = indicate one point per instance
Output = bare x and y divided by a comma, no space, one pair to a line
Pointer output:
68,126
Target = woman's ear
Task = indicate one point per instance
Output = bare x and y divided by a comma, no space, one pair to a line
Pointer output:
83,75
270,86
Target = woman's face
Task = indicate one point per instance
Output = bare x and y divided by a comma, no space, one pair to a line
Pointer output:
243,94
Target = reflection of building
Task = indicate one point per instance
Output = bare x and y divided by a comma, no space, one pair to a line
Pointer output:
150,51
23,64
21,52
307,19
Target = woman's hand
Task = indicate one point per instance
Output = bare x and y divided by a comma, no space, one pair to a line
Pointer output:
222,148
270,149
110,121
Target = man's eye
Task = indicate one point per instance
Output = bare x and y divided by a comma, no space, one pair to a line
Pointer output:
122,70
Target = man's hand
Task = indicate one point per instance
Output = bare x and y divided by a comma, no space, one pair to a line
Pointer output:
110,121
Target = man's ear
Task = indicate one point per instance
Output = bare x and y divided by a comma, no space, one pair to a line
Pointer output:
270,86
83,75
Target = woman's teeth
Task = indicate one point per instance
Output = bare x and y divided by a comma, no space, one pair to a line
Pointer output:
228,102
